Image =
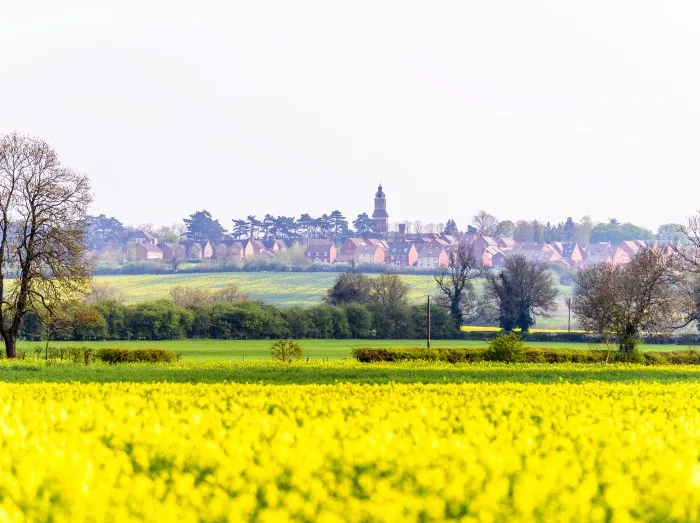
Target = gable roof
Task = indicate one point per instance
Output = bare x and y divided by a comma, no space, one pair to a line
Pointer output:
149,247
188,244
400,248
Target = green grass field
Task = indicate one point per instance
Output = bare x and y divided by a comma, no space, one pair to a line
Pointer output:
307,373
293,288
315,350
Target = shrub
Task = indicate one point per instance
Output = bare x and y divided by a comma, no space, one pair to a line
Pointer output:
505,347
286,350
136,356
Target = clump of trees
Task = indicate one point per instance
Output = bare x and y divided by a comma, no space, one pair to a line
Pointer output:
616,233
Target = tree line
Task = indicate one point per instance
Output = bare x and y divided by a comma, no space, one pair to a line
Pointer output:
582,232
202,226
230,314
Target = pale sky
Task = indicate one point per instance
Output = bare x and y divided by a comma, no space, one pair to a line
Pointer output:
537,109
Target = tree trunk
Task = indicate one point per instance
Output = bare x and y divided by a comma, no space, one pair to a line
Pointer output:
11,345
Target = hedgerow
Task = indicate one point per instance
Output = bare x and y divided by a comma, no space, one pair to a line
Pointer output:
530,355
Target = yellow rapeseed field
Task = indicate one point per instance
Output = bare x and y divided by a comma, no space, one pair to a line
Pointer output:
479,452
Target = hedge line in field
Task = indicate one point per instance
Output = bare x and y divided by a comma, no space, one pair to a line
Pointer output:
531,355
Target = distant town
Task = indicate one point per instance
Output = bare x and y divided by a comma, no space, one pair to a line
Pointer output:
330,240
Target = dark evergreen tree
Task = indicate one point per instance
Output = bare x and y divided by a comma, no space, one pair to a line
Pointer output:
363,224
451,227
201,227
240,229
569,232
102,230
254,226
337,219
537,232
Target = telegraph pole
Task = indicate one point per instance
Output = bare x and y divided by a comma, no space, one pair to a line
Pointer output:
428,321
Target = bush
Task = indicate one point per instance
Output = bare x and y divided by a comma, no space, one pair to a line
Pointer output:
505,347
136,356
286,350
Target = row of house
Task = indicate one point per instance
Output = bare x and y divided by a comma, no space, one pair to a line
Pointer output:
428,251
433,251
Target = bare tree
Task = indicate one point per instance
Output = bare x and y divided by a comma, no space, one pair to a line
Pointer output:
622,302
485,223
418,227
456,284
43,254
232,293
688,251
103,292
522,290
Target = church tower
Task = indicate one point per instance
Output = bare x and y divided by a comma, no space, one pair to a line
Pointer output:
380,216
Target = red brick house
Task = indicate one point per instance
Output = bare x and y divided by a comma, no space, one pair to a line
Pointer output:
498,258
432,255
487,257
349,248
320,251
147,251
143,237
403,254
370,254
549,257
172,251
198,250
506,243
570,251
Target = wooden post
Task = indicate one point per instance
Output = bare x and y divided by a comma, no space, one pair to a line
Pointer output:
428,321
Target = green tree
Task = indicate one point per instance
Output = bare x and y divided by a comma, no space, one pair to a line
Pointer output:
390,304
569,230
506,228
537,232
524,232
451,227
337,220
102,231
240,229
286,350
616,233
359,320
364,225
202,227
670,232
350,287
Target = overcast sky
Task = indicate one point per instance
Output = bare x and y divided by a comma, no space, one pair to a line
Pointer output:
538,109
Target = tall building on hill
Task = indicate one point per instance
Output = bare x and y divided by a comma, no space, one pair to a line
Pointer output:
380,216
